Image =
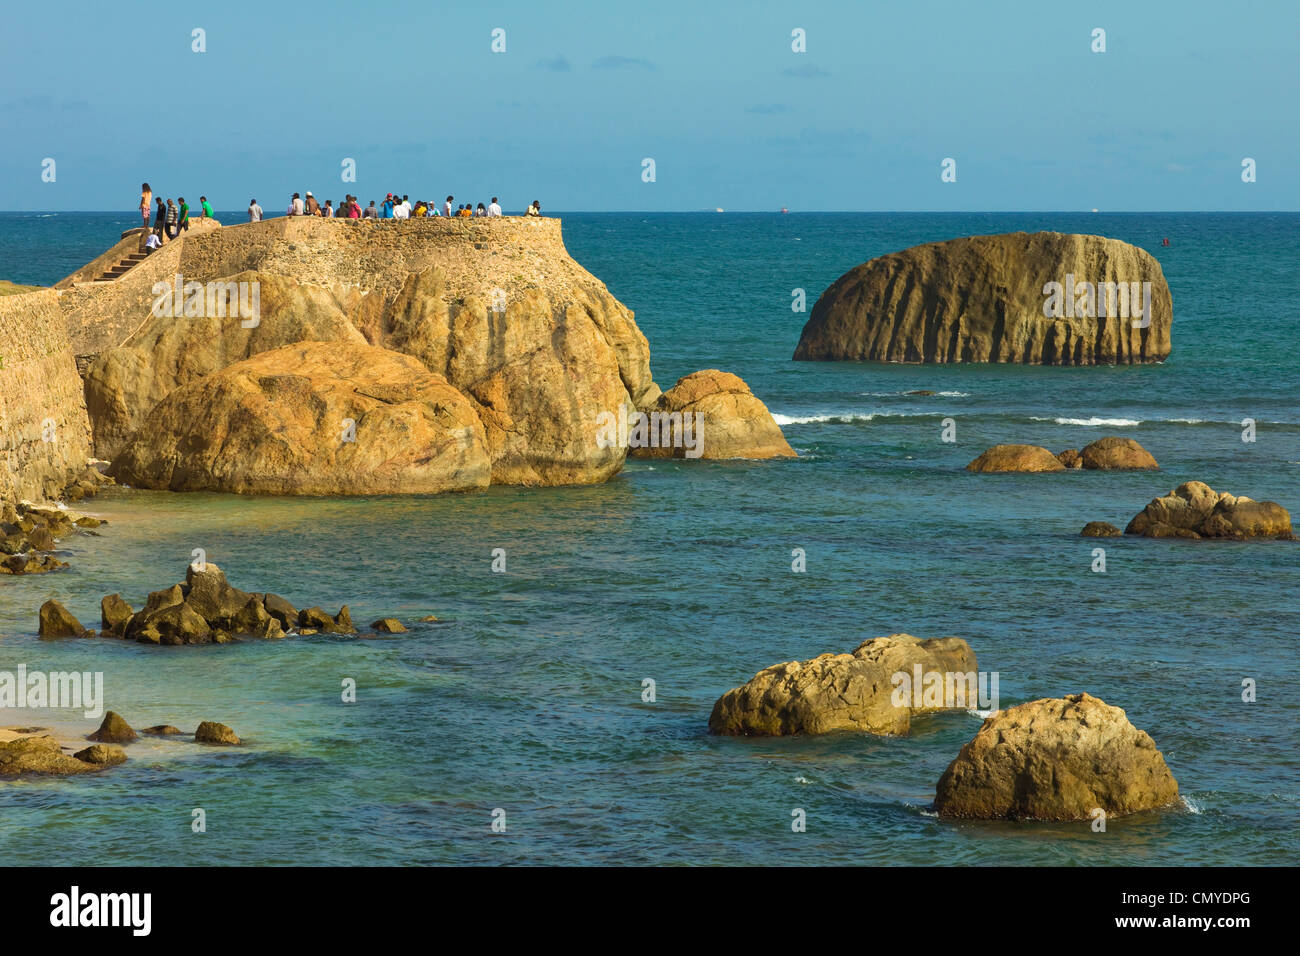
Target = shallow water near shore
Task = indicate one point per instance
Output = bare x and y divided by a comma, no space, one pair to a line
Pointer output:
525,695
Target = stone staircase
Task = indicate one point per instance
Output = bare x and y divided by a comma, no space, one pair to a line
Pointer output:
123,267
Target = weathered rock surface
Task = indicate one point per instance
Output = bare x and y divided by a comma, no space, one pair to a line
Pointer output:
113,730
124,384
210,732
388,625
57,621
44,429
1027,458
311,419
1070,458
1114,453
114,615
101,754
982,299
41,754
1056,759
729,422
1195,510
838,691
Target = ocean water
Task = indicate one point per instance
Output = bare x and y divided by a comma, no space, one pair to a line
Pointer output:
526,695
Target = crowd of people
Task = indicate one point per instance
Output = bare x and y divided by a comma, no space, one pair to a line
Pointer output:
170,219
393,207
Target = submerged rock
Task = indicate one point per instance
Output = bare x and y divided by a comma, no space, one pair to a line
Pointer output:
840,691
989,299
1099,529
1056,759
1195,510
1027,458
727,421
161,730
104,754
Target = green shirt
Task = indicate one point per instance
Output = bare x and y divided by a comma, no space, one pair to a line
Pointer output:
207,209
185,213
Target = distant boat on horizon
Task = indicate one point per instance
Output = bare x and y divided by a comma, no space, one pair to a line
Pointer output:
783,209
719,209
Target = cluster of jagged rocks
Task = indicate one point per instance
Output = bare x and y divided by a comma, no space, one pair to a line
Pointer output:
205,609
1050,759
29,533
1195,510
34,751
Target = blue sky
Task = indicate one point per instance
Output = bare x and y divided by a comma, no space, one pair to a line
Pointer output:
712,91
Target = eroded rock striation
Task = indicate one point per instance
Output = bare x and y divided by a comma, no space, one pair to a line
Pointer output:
1056,759
839,691
983,299
311,419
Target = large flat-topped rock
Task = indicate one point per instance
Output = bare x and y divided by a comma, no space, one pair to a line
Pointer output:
1043,298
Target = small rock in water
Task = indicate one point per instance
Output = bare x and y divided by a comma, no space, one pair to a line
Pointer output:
105,754
57,621
210,732
388,625
113,730
1099,529
161,730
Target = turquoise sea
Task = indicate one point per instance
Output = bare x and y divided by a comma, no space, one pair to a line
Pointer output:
526,695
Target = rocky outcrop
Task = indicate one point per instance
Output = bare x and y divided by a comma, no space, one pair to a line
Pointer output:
124,384
44,429
388,625
1195,510
725,421
1114,453
841,691
1056,759
311,419
989,299
207,609
1028,458
28,533
1070,458
536,344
